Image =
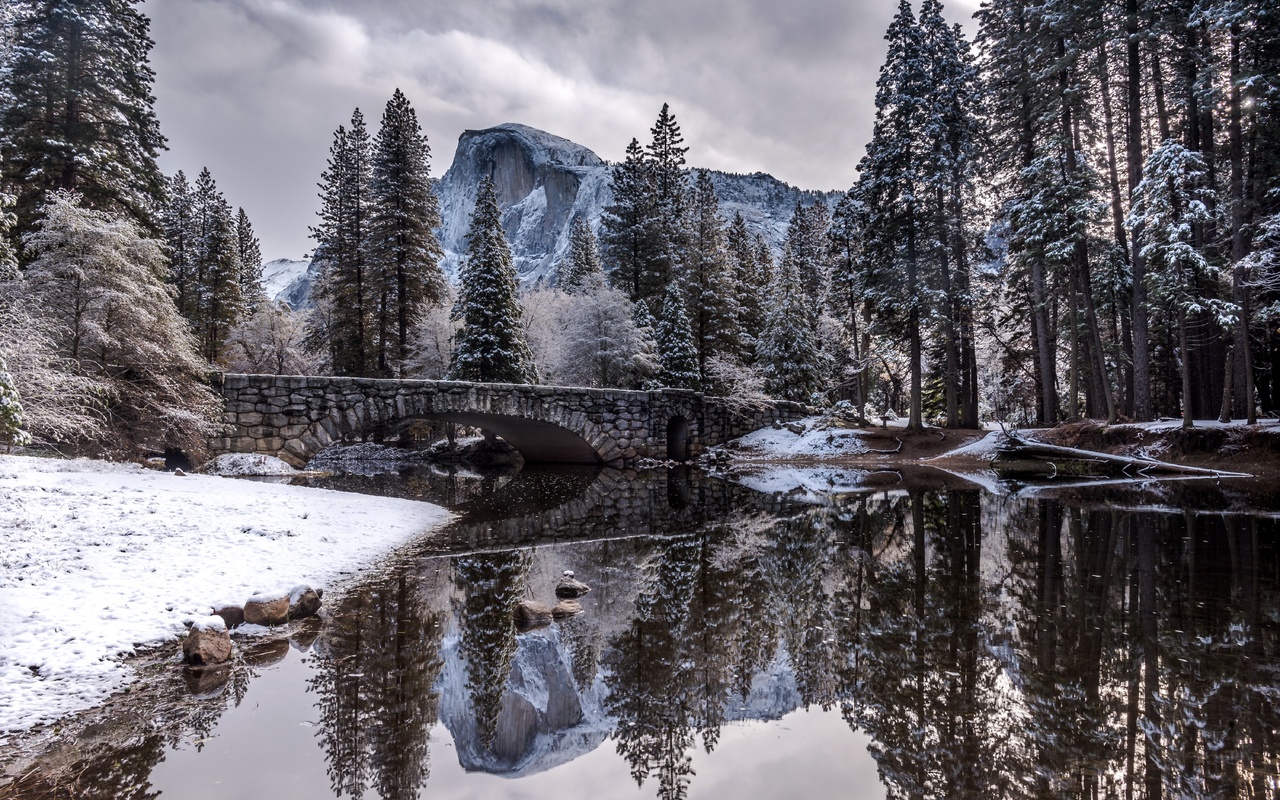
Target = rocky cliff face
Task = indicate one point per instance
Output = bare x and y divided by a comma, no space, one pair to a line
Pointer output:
544,181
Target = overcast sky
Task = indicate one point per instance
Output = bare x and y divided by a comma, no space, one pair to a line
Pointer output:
254,89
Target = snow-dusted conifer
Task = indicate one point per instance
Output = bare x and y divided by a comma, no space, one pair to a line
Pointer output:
8,253
712,282
11,416
627,234
490,347
1170,201
344,287
789,353
402,251
76,109
219,302
181,233
580,271
749,283
250,253
677,350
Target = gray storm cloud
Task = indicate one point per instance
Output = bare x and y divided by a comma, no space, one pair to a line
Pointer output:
254,88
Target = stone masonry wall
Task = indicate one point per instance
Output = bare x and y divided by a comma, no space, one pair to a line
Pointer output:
294,418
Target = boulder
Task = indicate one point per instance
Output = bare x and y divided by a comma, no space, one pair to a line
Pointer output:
570,588
267,608
531,615
565,609
231,614
207,642
304,601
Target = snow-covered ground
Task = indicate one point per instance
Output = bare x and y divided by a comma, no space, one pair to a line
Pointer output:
97,559
816,442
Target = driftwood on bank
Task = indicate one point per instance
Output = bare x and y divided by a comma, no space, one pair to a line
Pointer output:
1019,456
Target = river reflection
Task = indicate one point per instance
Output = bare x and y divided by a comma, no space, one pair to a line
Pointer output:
967,644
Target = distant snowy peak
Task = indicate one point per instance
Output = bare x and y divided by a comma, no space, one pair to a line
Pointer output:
543,181
278,275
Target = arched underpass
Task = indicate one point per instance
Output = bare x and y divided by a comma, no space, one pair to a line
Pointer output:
538,442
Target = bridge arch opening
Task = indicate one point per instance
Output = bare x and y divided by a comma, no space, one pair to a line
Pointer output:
678,438
538,441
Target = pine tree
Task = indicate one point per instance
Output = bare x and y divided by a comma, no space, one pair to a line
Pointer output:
888,192
8,254
712,284
76,109
402,251
181,234
11,417
789,353
665,156
1168,204
749,282
677,350
490,347
344,285
218,301
580,271
250,253
628,224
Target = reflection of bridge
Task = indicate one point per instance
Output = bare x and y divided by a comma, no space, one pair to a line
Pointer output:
296,417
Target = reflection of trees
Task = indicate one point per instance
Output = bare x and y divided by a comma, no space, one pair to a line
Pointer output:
376,668
493,584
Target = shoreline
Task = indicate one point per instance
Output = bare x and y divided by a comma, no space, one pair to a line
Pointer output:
103,563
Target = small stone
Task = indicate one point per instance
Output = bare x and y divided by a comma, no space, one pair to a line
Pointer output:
565,609
207,643
570,588
270,608
232,614
531,615
303,602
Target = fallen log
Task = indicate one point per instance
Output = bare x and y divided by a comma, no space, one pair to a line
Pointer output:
1033,458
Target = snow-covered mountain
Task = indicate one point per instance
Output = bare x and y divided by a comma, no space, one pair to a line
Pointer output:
544,181
279,275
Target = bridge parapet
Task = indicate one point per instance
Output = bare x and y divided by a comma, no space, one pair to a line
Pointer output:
295,417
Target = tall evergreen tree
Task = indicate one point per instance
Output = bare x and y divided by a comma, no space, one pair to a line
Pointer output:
712,284
12,421
490,347
888,192
181,233
580,270
76,109
749,283
344,284
402,251
250,253
789,352
677,349
627,234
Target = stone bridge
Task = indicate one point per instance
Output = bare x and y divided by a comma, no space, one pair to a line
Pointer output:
294,418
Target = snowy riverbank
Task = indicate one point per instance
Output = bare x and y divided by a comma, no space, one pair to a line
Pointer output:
97,559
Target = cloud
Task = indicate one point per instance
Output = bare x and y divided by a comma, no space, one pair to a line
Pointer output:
254,88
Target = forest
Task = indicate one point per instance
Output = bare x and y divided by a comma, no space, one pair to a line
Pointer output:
1076,214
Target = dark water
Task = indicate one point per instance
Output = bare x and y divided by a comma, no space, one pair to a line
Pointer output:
922,638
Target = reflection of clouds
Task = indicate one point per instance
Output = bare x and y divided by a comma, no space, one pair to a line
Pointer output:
254,88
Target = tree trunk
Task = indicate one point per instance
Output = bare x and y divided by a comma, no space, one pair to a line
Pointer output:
1133,147
1243,388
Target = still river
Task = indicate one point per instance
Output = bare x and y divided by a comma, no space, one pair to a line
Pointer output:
866,635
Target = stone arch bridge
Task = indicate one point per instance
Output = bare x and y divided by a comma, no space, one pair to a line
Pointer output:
294,418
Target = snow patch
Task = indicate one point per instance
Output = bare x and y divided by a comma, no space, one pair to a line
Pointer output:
815,440
247,464
99,559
